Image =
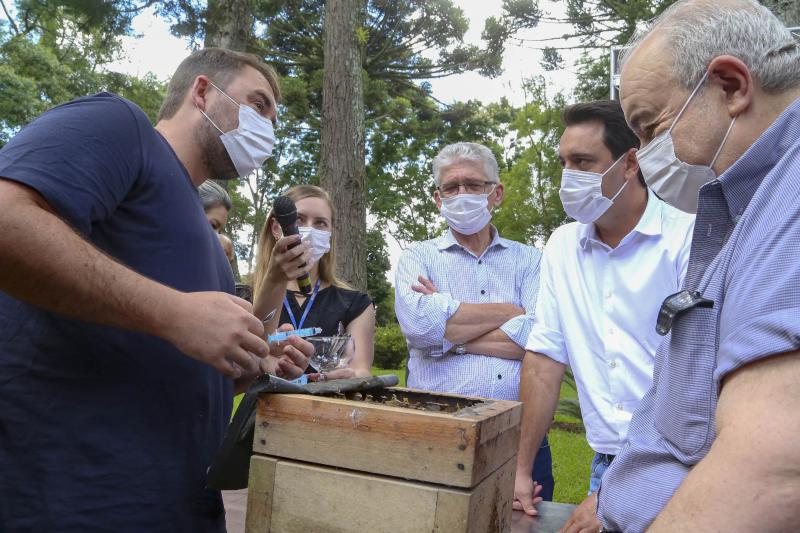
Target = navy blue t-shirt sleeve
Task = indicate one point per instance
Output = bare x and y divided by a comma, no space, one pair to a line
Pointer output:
83,157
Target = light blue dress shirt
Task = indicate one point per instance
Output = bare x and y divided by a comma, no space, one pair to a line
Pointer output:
746,258
506,272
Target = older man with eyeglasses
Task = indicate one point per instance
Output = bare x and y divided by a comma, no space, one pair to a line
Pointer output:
463,299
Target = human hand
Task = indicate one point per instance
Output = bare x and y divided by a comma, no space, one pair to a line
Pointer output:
426,286
289,262
526,493
584,517
216,328
290,357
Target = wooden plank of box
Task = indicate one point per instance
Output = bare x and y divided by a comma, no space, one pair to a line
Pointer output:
290,497
458,448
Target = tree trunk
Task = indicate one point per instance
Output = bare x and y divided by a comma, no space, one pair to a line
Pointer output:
342,166
229,24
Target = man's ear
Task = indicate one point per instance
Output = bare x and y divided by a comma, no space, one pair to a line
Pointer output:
499,194
199,92
631,165
437,198
731,75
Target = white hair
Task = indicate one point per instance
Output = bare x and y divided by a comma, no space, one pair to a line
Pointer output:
697,31
453,153
212,195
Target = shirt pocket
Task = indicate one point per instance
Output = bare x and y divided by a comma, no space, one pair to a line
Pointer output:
685,394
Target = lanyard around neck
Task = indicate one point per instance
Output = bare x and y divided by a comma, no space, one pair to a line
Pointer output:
310,302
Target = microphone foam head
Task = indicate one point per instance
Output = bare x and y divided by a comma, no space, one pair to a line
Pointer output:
285,210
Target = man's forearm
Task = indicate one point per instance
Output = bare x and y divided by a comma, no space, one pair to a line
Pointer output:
540,384
47,264
474,320
755,457
270,297
495,344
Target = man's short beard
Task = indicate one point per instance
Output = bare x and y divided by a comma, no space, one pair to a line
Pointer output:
215,156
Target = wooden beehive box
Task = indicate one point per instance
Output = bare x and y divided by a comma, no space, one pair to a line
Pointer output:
394,460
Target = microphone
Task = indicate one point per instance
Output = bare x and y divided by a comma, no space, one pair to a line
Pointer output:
286,215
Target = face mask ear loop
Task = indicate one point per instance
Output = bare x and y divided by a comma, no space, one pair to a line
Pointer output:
609,170
619,191
224,93
691,97
719,150
211,121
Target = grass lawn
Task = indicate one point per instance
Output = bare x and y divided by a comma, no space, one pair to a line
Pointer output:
572,456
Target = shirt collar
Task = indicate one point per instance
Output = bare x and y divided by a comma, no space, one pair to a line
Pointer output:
650,223
448,240
742,179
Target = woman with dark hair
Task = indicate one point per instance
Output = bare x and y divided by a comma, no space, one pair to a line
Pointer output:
332,302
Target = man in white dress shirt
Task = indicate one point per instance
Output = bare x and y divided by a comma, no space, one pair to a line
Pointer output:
603,280
463,299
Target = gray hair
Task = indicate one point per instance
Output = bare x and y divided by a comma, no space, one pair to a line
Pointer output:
453,153
699,31
212,195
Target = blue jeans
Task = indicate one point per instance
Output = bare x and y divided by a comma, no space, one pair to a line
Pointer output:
543,471
600,464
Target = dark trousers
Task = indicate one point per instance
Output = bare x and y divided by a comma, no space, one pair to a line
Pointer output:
543,471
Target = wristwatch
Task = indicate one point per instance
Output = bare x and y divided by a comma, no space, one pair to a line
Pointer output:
461,349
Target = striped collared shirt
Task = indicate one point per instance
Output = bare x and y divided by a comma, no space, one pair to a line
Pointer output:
506,272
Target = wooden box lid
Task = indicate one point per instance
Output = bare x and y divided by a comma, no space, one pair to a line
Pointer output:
459,445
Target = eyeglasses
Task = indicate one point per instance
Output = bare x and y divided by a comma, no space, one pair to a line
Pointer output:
470,187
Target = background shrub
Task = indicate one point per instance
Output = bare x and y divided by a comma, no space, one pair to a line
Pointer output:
391,350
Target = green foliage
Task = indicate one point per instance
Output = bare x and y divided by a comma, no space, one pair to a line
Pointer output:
405,44
568,404
53,52
532,177
593,78
391,349
605,23
378,286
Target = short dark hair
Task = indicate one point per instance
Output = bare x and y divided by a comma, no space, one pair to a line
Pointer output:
219,64
617,135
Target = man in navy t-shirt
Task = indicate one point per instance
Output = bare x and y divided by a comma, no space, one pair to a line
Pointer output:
118,341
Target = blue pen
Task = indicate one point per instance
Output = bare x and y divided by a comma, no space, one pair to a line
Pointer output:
283,335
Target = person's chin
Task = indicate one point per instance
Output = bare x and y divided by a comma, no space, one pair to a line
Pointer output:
225,172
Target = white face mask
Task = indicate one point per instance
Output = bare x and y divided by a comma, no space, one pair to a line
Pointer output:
319,241
251,143
676,182
466,213
582,196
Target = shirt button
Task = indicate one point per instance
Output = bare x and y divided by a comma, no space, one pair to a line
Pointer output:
480,261
483,291
619,406
499,376
612,364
